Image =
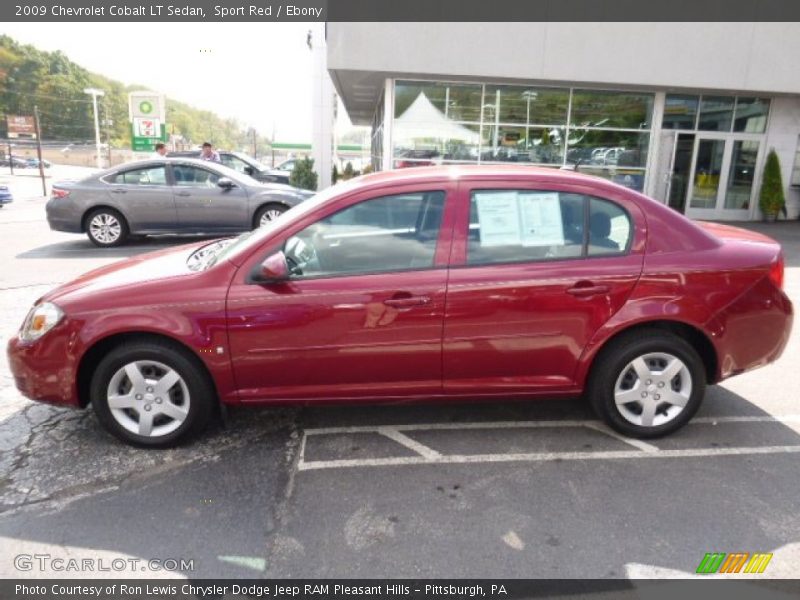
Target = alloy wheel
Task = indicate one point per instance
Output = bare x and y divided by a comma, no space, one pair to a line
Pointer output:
269,215
148,398
653,389
105,228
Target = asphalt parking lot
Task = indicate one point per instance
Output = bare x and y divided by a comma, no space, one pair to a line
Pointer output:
536,489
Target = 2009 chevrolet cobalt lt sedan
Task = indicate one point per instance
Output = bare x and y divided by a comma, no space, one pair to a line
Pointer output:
429,283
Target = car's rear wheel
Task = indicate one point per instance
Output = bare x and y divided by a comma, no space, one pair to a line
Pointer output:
106,227
268,213
647,383
151,394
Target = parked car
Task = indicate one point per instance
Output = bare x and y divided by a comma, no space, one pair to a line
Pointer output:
287,165
6,196
33,163
431,283
170,195
242,163
16,161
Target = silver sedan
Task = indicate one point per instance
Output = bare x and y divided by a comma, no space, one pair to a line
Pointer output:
179,195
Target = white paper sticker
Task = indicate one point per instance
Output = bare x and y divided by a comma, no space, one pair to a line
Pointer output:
540,219
498,214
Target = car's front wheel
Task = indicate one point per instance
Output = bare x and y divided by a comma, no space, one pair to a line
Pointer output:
647,383
106,227
151,393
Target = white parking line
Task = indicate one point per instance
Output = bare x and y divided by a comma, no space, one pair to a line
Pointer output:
406,441
429,456
542,457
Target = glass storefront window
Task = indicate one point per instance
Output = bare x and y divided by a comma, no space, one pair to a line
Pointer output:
751,115
607,148
426,143
455,102
630,178
716,113
593,108
680,111
525,105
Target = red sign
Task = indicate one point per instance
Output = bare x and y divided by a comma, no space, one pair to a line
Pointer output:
21,126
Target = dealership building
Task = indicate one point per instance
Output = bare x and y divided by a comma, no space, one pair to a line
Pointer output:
685,112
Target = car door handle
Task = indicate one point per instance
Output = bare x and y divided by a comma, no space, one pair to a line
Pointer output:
407,302
183,194
119,191
584,290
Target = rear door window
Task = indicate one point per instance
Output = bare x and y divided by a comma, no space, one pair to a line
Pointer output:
145,176
508,226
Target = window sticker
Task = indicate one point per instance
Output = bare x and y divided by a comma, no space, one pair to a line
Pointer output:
540,216
498,215
520,218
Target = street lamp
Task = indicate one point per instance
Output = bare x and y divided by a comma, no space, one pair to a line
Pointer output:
95,93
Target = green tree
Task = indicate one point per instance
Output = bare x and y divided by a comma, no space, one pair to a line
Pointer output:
771,198
348,172
303,175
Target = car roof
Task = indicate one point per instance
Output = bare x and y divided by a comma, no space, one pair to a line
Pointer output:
421,174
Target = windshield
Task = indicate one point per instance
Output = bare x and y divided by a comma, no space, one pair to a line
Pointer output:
252,239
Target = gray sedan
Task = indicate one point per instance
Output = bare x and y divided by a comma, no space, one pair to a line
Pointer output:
156,196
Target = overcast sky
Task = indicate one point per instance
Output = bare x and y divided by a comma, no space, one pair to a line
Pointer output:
259,73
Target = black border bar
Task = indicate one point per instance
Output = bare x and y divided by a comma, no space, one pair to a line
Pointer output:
400,10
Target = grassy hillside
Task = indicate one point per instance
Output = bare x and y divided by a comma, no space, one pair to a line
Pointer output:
29,77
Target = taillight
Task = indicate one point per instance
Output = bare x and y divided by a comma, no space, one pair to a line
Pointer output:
58,193
776,271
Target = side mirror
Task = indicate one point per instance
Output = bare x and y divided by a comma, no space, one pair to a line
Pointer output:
249,170
225,183
274,269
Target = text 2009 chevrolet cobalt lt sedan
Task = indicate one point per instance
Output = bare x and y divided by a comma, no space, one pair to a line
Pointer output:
176,195
430,283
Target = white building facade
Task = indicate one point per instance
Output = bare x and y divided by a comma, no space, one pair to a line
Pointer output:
685,112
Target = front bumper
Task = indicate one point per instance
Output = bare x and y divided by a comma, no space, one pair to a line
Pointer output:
45,369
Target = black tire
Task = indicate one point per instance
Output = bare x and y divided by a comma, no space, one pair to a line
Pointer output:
267,208
200,386
110,212
608,368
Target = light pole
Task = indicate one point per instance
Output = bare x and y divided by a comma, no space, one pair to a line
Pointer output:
95,93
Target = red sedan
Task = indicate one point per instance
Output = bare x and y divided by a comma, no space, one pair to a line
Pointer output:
431,283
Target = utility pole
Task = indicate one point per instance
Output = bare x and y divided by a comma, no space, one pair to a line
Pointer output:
255,149
39,148
94,92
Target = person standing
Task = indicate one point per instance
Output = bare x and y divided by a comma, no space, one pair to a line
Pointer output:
161,150
208,153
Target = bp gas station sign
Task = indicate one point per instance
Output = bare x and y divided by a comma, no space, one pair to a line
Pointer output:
147,114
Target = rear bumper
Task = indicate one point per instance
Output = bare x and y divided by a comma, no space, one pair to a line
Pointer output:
44,371
752,331
60,224
60,217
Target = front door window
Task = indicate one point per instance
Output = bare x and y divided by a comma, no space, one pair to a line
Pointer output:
390,233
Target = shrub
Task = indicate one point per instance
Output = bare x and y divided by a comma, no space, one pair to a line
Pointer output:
303,175
771,198
348,172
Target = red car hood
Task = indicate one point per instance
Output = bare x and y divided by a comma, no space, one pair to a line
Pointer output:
152,266
730,233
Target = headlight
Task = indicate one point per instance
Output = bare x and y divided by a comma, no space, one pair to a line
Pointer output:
42,318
